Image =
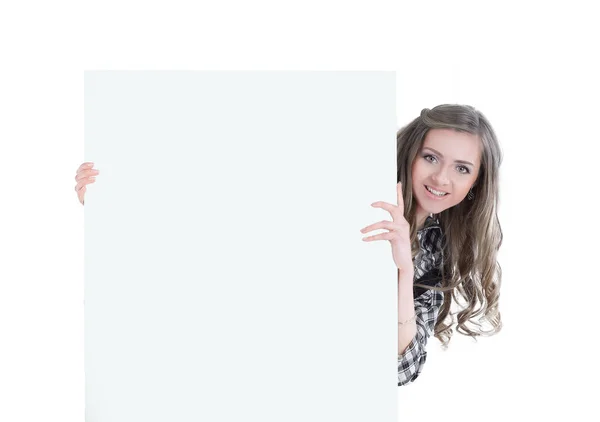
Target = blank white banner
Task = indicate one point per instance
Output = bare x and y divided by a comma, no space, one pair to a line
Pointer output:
225,275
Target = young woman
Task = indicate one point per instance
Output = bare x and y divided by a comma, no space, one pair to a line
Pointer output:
444,232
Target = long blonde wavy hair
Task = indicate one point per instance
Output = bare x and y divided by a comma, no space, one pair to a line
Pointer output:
472,232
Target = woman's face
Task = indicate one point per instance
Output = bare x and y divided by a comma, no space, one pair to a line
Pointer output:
448,162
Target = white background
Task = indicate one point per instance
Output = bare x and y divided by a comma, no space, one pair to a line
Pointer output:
530,68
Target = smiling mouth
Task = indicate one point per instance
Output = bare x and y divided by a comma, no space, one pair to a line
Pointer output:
436,193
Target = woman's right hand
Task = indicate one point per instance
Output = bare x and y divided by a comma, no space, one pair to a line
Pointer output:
85,175
398,234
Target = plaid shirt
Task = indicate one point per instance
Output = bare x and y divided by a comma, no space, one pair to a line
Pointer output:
427,264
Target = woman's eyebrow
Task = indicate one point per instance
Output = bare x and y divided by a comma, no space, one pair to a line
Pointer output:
456,161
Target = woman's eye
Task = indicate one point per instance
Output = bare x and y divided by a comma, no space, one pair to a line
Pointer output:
433,159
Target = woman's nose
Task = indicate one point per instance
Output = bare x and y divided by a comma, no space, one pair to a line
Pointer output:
441,177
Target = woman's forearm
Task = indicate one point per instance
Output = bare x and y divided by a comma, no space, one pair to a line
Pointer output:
406,310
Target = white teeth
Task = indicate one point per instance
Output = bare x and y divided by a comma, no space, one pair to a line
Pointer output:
435,192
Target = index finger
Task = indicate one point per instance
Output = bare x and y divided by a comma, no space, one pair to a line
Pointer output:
89,164
400,198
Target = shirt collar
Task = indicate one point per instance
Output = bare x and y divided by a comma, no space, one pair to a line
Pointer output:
430,221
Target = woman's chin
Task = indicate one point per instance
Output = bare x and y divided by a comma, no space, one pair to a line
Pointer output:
431,209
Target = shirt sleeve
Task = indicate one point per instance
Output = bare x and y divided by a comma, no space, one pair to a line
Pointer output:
411,362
